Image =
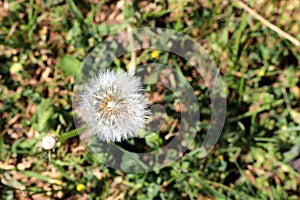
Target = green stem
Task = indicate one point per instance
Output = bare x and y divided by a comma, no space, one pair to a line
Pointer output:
65,136
250,113
132,64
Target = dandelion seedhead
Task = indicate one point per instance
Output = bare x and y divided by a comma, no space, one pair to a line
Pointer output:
48,143
113,107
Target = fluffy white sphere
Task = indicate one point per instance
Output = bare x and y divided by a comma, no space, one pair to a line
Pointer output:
113,107
48,142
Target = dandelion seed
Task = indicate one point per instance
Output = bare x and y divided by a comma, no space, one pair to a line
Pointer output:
48,142
113,107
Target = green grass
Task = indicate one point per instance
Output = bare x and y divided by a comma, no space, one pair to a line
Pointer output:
43,44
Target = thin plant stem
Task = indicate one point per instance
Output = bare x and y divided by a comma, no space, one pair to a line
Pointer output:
132,64
65,136
268,24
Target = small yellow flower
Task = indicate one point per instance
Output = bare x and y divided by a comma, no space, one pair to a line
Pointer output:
261,73
155,54
220,157
80,187
91,41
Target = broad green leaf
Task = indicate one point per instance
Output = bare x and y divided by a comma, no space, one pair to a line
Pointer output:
44,116
69,65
